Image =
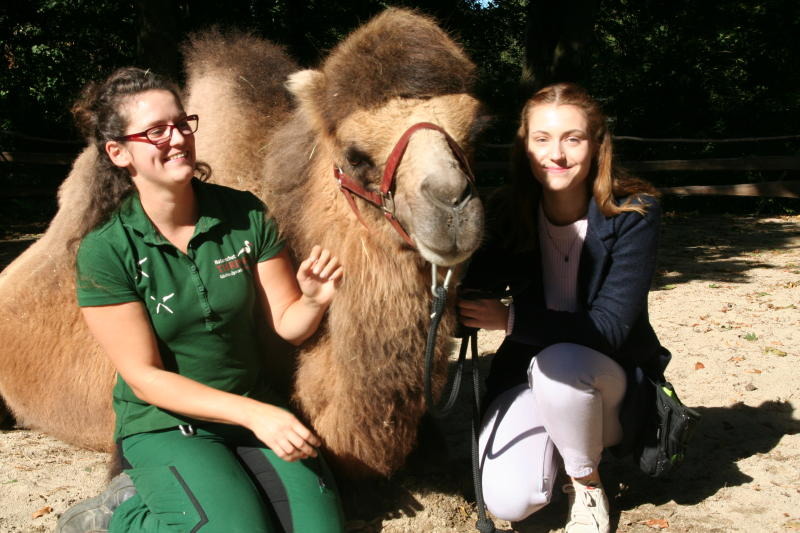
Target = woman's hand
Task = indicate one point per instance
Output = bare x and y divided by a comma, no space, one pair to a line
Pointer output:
319,276
295,302
283,433
484,314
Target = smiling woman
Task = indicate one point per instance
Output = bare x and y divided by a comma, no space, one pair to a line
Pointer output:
171,275
569,379
561,154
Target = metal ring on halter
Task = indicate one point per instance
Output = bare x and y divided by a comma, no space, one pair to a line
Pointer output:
388,202
435,275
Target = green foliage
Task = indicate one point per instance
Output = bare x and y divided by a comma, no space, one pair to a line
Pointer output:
699,69
51,49
677,69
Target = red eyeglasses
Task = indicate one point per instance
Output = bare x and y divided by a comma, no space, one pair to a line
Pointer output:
161,134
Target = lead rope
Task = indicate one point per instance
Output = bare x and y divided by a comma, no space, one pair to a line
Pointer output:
484,523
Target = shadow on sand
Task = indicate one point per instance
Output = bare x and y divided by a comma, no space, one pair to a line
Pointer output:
440,464
718,248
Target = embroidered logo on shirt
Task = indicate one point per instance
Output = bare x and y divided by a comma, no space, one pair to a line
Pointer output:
162,304
234,264
141,270
246,248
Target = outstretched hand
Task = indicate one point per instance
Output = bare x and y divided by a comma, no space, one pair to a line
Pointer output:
319,276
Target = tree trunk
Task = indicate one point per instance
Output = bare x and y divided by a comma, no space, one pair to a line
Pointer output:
558,41
157,38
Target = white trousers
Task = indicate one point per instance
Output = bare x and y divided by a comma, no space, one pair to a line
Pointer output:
570,408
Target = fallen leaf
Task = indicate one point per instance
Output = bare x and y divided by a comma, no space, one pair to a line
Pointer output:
774,351
699,366
753,371
656,523
43,511
736,359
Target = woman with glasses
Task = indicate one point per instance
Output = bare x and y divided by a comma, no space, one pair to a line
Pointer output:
171,273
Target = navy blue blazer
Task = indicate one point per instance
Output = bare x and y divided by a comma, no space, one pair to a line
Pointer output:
616,269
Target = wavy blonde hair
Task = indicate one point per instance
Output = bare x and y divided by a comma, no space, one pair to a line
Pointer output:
609,183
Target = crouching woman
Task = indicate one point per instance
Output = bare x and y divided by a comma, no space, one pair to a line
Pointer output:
575,240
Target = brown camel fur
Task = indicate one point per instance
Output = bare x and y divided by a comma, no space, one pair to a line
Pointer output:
358,381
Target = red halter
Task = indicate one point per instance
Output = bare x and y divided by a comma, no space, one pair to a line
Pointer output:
384,198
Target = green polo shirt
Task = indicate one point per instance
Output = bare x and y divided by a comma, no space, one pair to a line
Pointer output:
201,304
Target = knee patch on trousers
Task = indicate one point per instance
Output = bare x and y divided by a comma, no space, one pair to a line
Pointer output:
168,497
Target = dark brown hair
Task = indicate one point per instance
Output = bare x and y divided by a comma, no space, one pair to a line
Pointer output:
99,115
608,181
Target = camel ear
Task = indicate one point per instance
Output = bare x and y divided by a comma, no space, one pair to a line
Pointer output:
306,84
308,88
118,154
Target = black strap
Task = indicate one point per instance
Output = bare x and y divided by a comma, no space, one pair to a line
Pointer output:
437,309
484,523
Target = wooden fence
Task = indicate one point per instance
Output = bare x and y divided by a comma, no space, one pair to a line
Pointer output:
781,188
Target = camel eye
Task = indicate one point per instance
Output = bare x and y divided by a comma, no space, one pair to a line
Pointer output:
356,158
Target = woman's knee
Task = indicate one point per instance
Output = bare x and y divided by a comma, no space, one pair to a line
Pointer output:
572,365
513,503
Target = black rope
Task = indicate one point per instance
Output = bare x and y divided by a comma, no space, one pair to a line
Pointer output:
437,309
484,523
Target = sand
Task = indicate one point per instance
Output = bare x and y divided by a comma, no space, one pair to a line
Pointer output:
725,301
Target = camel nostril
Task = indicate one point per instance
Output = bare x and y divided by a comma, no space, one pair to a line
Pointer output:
448,195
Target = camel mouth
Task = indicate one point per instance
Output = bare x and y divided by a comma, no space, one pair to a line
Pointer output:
448,235
442,258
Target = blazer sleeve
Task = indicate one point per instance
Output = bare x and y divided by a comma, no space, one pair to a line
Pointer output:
619,303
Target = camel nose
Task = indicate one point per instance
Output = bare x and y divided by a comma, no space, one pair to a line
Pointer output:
449,192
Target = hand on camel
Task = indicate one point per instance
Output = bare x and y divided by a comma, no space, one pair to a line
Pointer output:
319,276
484,314
283,433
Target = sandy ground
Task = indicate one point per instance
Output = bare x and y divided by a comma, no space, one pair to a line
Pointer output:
725,301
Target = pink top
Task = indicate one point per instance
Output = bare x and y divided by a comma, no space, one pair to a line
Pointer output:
561,253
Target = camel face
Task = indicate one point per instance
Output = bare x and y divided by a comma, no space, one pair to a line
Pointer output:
432,197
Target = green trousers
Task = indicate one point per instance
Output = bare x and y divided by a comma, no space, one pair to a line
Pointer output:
223,479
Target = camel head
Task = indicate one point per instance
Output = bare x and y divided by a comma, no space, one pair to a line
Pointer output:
397,72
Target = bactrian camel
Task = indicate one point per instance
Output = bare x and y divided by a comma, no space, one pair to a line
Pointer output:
281,132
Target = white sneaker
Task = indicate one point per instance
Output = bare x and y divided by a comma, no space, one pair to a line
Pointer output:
588,508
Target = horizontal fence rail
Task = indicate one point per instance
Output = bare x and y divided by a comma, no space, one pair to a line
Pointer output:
784,188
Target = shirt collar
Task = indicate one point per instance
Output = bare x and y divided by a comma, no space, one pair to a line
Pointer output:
132,215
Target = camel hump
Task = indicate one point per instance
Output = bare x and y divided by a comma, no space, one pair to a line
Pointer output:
257,68
235,82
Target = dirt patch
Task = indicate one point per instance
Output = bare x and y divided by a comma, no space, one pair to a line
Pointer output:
725,301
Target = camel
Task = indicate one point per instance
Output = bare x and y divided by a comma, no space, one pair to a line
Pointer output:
289,136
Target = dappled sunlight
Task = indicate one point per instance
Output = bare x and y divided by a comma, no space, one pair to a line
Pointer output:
723,248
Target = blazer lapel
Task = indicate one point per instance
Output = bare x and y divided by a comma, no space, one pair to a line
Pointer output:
595,254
